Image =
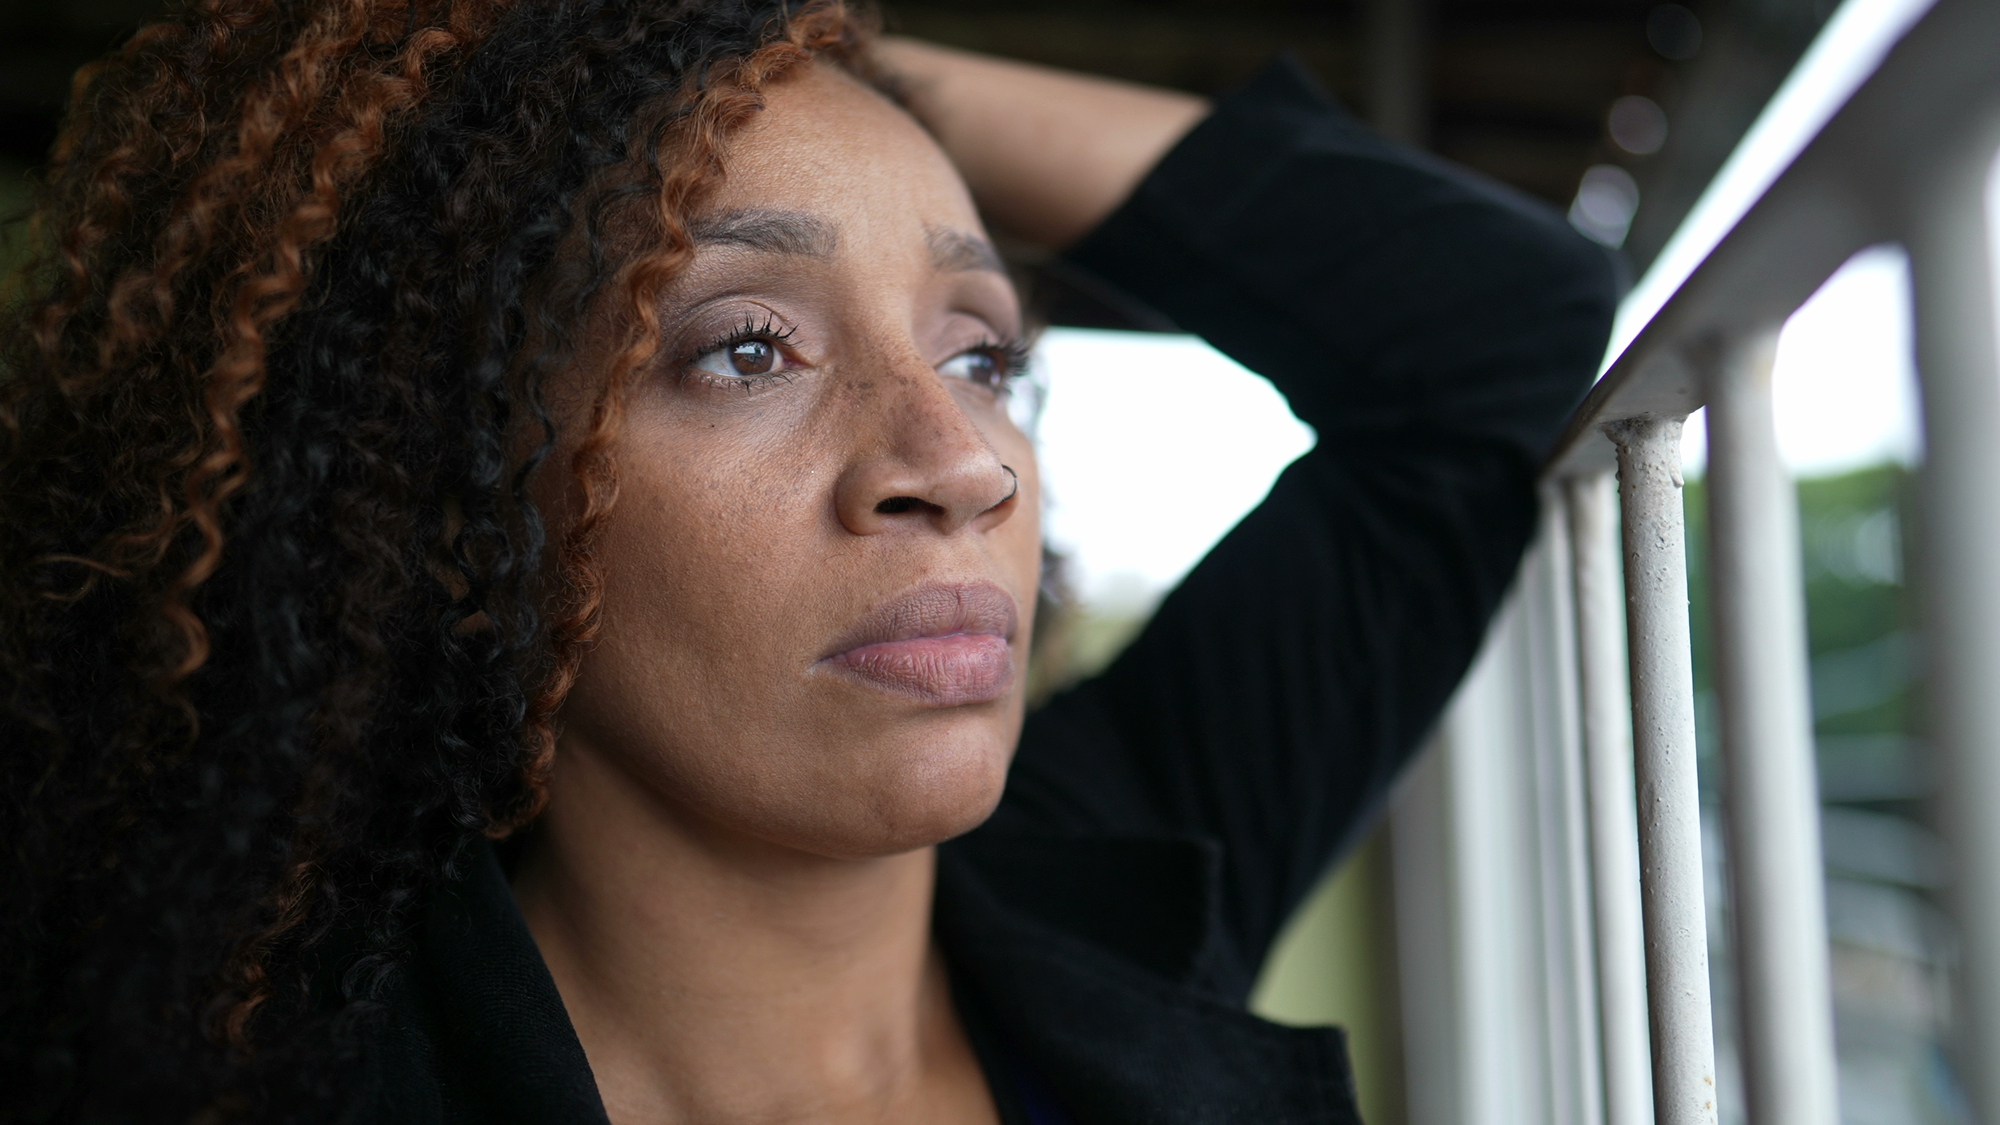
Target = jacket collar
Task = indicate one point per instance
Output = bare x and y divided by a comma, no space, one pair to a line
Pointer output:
1099,957
1095,956
503,1037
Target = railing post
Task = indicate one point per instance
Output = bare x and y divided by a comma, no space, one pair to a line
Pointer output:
1656,600
1561,811
1756,590
1614,825
1953,286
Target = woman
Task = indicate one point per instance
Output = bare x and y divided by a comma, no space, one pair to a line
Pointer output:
520,571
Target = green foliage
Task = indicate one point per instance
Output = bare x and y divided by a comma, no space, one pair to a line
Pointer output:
1860,630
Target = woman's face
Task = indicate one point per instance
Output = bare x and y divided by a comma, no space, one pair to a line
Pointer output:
819,578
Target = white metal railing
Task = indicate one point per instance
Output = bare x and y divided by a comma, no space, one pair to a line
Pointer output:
1887,132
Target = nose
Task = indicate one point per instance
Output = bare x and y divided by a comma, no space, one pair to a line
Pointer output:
921,462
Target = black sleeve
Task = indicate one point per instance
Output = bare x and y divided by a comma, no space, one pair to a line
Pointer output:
1435,330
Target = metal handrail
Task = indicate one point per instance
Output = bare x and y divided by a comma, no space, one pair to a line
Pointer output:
1898,148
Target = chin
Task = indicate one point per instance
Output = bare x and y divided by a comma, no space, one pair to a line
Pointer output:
925,799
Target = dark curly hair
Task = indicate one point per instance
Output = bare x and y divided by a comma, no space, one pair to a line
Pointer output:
281,630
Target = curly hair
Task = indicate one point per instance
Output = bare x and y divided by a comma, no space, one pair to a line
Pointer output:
281,630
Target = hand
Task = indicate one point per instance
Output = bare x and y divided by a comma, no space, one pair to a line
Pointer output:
1048,153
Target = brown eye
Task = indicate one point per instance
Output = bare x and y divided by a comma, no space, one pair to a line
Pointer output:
746,361
753,357
981,366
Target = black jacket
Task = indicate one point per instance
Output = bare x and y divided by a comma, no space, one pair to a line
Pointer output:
1162,820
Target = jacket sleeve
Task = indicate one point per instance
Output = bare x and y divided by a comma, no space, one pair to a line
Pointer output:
1435,330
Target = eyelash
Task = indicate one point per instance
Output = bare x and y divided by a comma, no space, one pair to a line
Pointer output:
744,333
1013,354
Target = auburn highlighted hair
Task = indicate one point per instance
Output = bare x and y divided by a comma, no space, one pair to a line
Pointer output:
281,630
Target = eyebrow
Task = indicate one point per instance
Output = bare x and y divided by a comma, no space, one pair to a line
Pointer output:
769,231
795,232
955,251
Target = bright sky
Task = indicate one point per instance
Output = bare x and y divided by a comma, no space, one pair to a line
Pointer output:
1153,446
1845,385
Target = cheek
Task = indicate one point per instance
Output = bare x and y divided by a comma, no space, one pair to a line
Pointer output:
700,564
726,576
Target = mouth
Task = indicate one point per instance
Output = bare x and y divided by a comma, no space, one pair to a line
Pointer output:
945,644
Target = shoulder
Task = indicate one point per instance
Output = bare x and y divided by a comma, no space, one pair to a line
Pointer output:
474,1029
1099,958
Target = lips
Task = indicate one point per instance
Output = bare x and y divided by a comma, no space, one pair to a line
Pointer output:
945,644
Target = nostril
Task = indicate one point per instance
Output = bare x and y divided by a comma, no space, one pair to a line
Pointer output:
897,505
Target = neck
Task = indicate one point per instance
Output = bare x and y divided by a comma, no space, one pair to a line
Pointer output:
716,977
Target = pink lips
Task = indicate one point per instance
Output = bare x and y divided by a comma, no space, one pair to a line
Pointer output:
945,644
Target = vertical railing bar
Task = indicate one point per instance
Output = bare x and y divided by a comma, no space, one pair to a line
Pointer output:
1662,674
1568,953
1949,237
1592,505
1756,588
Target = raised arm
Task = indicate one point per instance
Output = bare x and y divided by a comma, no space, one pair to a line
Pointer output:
1435,329
1048,153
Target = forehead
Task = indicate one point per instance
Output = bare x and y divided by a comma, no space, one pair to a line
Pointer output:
829,146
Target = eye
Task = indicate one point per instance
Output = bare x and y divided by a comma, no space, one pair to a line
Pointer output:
752,355
988,365
744,357
982,367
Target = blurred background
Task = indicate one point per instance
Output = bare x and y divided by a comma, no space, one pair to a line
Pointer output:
1615,112
1621,107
